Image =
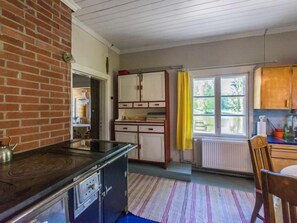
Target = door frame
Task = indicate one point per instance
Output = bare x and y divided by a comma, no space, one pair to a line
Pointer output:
105,93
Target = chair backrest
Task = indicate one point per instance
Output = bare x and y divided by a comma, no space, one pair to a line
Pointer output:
284,187
259,151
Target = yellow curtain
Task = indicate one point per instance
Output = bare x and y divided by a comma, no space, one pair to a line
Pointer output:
184,112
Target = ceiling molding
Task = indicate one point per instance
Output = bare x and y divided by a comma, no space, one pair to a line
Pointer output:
95,35
211,39
71,4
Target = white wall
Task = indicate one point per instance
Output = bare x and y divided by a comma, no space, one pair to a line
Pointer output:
281,47
90,57
88,51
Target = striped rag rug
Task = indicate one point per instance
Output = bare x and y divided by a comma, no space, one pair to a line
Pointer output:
173,201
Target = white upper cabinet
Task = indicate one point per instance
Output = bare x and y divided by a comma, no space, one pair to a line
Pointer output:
153,86
128,87
144,87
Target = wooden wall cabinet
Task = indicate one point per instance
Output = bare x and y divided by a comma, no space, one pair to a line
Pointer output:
294,87
275,88
138,96
283,155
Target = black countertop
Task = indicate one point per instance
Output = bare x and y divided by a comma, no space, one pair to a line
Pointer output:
31,176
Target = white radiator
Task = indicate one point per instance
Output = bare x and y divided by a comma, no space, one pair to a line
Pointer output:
226,155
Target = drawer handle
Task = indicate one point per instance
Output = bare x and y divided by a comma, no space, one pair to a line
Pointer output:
125,128
140,105
124,105
150,129
157,104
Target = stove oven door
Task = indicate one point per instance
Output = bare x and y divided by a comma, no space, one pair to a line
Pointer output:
85,202
53,211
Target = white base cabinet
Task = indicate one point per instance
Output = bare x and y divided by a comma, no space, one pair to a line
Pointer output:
129,137
152,147
150,138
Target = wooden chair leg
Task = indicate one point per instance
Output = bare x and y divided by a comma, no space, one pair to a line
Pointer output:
258,205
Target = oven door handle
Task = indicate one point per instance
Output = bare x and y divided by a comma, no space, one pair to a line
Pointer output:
105,192
107,189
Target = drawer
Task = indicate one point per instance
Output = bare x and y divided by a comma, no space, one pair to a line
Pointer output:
284,154
151,128
140,104
125,105
157,104
126,128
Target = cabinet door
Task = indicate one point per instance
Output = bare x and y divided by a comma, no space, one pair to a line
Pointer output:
276,88
294,88
153,86
151,147
115,187
128,87
129,137
283,156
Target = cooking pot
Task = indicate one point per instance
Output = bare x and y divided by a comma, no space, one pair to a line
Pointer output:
6,151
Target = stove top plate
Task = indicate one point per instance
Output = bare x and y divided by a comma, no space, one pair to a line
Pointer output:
95,145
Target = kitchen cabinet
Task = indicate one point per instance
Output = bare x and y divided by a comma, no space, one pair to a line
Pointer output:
129,137
283,155
143,87
151,140
153,86
128,87
115,188
143,116
151,147
294,88
275,88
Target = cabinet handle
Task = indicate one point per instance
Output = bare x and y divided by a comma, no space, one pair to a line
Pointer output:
140,105
138,88
125,128
150,129
124,105
141,87
157,104
286,103
107,189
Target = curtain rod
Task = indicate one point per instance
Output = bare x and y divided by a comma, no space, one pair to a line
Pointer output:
232,65
171,67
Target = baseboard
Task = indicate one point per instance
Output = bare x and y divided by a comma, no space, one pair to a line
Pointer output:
223,172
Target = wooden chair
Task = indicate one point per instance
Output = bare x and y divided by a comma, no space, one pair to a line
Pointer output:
260,157
284,187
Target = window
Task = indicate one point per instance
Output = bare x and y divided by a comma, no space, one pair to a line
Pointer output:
220,105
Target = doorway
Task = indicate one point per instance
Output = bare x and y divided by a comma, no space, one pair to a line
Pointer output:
87,107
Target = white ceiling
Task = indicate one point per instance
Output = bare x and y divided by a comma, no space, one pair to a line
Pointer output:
135,25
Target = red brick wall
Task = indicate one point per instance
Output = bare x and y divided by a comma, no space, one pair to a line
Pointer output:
34,80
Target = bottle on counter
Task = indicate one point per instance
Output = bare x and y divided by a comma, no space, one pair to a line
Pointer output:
286,132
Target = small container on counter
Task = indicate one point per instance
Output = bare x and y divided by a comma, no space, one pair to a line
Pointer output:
278,133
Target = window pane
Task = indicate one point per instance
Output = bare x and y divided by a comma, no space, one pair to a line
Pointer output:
203,106
233,105
232,125
233,85
203,87
204,124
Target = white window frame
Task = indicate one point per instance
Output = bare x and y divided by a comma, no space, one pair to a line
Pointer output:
217,74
